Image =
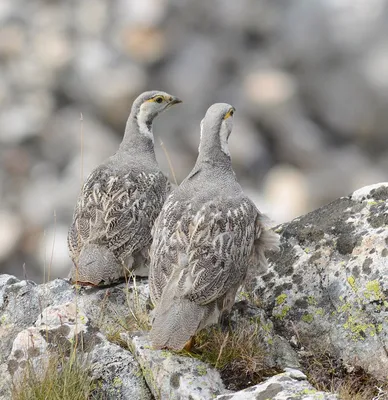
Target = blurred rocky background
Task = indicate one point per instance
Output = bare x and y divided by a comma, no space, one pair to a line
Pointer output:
309,80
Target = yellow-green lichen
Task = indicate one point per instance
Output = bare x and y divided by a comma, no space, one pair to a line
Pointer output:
281,299
312,301
319,311
309,391
244,296
266,327
308,318
344,308
358,328
373,291
282,313
357,321
352,283
117,381
202,370
165,353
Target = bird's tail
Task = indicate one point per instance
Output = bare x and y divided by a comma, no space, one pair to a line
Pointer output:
96,265
268,241
175,325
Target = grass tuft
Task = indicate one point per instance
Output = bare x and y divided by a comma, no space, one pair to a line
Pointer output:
237,352
65,378
327,373
139,310
136,317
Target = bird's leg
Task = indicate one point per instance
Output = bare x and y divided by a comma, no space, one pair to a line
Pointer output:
189,344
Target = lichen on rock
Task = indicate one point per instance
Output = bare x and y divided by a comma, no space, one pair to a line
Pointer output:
335,294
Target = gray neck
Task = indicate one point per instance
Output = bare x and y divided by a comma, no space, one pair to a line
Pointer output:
212,151
138,136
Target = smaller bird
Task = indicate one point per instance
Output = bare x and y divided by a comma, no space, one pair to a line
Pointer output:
205,238
120,201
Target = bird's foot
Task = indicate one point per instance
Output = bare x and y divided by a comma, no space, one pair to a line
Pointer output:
189,344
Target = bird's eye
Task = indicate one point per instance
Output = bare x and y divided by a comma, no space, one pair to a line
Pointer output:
229,113
159,99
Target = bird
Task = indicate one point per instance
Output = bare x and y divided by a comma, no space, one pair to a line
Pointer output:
120,201
205,238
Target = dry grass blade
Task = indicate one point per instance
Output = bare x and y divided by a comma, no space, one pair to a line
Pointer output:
65,378
222,349
169,162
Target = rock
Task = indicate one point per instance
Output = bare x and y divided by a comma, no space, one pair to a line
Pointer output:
118,372
268,89
145,45
54,251
327,285
171,376
285,181
19,306
12,41
5,383
29,350
290,385
10,233
58,327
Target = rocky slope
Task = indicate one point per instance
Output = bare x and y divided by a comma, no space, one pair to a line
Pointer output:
325,293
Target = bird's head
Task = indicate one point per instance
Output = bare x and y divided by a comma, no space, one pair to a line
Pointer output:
216,127
150,104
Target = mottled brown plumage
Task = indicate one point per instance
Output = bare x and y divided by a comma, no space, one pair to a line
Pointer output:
205,238
119,202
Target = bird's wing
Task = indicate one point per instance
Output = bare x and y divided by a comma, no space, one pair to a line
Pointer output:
202,254
117,210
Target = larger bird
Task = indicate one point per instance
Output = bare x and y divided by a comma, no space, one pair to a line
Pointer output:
119,202
204,239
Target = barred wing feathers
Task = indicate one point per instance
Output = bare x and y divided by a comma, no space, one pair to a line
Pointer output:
117,211
206,253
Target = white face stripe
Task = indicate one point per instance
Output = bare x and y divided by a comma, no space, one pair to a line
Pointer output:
224,134
142,121
200,137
